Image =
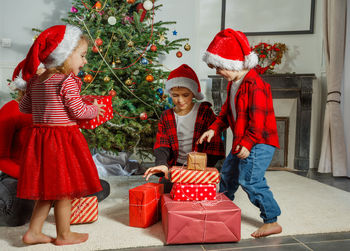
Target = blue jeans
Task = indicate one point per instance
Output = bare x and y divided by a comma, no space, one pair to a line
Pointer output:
250,174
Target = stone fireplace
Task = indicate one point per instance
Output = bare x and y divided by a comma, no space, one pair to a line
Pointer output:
292,97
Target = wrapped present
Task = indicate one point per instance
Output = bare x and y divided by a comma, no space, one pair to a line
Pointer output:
180,175
144,204
196,161
84,210
93,123
185,191
201,221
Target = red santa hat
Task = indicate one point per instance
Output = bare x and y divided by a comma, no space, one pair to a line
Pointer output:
51,48
184,76
230,50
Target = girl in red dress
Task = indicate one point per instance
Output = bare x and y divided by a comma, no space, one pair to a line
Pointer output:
57,164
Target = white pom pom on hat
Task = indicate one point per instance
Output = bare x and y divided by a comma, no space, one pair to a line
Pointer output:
184,76
52,47
230,50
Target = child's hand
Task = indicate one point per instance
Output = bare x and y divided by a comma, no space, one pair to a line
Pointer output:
206,136
243,153
99,108
157,169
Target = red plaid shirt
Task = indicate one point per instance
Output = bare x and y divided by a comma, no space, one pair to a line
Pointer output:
167,134
256,122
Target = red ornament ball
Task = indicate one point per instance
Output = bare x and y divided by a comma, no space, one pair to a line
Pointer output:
149,78
95,49
112,93
143,116
98,41
153,47
88,78
179,54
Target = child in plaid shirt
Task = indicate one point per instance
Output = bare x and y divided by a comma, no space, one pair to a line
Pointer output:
180,128
248,110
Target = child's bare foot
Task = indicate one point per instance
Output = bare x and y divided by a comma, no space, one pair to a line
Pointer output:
71,238
267,229
33,238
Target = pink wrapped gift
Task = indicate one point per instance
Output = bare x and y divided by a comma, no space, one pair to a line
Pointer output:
93,123
181,175
182,191
200,221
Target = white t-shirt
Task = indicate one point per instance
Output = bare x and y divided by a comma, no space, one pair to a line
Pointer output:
185,129
233,91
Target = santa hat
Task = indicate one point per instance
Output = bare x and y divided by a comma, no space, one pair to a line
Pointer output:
184,76
230,50
52,48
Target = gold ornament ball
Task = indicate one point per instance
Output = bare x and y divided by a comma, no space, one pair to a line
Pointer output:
128,81
271,67
130,43
149,78
118,61
106,79
187,47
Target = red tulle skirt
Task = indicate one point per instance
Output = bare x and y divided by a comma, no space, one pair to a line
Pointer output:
57,164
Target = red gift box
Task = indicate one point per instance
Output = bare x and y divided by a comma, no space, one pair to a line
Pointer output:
181,175
181,191
93,123
84,210
144,204
201,221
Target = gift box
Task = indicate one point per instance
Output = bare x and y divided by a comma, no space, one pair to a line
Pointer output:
84,210
200,221
196,161
179,174
100,119
186,191
144,204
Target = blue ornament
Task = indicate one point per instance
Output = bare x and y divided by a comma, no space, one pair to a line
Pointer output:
144,61
174,32
166,107
160,91
170,101
80,74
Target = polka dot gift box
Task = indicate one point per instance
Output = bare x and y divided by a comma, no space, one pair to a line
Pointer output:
93,123
184,192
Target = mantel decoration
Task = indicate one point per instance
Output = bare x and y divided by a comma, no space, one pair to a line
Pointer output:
269,55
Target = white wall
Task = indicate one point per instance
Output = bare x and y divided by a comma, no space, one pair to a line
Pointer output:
198,20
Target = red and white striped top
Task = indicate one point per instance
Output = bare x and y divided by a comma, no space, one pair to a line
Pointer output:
57,100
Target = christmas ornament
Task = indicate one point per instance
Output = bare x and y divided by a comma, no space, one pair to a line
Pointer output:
160,91
73,9
187,47
153,47
147,5
95,49
179,54
128,82
118,61
149,78
143,115
98,5
106,79
80,74
130,1
112,93
98,41
136,72
88,78
130,43
174,32
139,8
113,64
144,61
112,20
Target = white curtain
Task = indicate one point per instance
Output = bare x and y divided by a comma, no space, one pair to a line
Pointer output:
333,157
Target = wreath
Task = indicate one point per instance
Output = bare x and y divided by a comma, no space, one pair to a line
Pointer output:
269,55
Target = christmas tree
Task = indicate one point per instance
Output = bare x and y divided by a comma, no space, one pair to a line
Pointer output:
123,62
